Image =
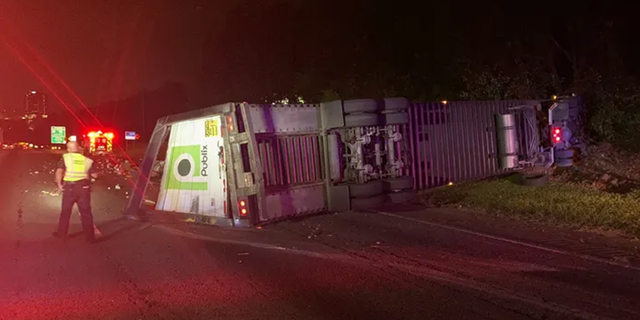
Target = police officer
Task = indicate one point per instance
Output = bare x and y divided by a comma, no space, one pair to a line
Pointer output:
73,177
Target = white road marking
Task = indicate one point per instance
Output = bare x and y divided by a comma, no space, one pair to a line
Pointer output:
442,277
511,241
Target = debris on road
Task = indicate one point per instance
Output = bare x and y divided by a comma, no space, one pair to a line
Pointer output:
316,232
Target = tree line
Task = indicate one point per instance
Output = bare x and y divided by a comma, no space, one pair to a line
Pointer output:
425,51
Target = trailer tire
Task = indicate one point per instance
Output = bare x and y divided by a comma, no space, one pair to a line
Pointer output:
360,105
399,183
396,118
366,190
396,104
565,162
402,196
538,180
371,203
362,120
565,154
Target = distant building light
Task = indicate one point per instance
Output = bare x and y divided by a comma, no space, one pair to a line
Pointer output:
444,101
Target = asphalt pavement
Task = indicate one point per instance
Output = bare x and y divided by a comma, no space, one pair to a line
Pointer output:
344,266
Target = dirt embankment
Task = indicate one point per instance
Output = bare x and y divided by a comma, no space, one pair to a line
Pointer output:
604,168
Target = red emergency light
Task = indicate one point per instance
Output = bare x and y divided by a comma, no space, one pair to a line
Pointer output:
556,135
96,134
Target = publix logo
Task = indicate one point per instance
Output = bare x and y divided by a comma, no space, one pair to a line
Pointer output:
188,168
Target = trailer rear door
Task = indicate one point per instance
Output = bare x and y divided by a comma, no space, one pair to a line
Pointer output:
194,175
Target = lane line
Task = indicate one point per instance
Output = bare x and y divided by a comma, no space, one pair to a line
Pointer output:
511,241
444,278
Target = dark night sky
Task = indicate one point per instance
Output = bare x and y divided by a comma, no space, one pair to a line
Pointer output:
110,49
103,49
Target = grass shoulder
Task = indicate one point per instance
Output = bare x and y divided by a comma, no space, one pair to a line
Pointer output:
558,202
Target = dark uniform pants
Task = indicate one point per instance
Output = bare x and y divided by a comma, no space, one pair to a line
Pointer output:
77,193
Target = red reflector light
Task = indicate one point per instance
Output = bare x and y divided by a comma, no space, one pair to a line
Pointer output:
230,123
557,135
243,209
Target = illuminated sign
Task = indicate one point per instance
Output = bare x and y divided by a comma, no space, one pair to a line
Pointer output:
58,135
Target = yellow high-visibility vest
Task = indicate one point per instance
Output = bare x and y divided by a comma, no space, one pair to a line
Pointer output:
77,167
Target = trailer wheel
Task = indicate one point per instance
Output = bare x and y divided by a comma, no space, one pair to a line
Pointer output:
366,190
402,196
360,105
371,203
538,180
565,154
394,104
396,118
399,183
362,120
563,163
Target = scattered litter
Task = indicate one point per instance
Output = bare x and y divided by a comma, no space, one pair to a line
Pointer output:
315,233
243,253
117,187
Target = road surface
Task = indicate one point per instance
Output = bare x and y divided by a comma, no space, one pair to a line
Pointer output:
346,266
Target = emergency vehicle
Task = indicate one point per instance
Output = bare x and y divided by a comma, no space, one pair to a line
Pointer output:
97,142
